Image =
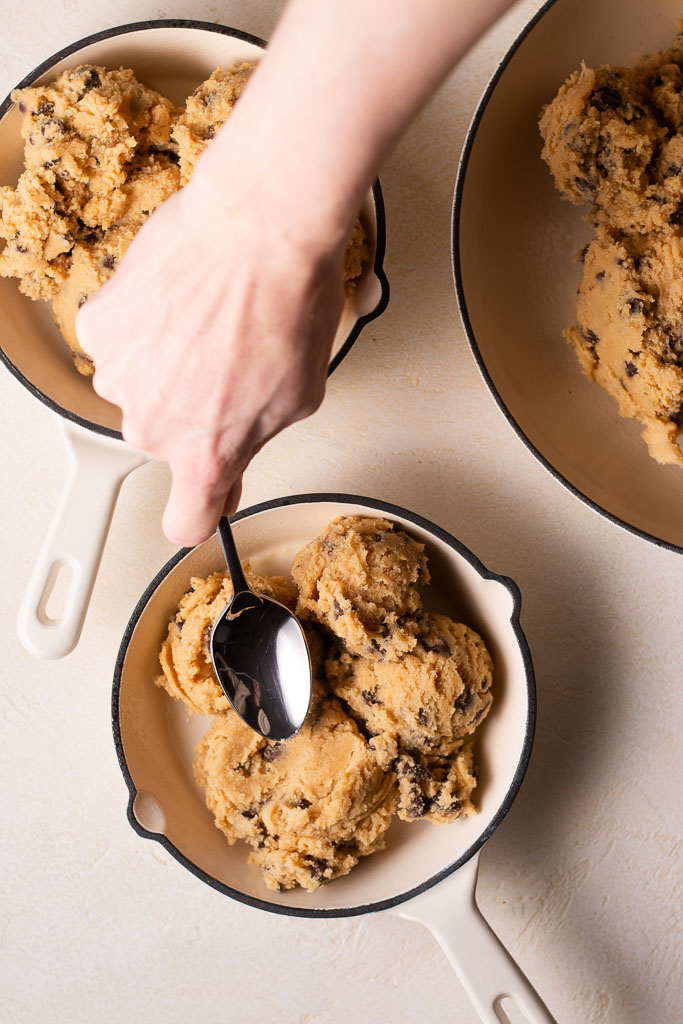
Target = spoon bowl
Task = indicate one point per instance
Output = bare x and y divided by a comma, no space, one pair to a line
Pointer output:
260,655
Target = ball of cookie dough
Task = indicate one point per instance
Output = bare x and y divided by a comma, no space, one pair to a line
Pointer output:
311,806
602,137
206,110
361,579
629,335
98,161
435,789
427,700
185,654
92,261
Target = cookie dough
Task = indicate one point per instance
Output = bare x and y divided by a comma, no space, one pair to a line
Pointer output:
361,578
435,789
310,807
629,335
206,110
102,151
613,139
389,730
419,709
98,155
186,654
427,700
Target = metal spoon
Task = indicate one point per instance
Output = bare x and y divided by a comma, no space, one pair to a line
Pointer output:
260,655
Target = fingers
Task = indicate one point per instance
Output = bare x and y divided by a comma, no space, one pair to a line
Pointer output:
233,498
195,504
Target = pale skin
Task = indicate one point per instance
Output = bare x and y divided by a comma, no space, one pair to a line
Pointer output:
215,332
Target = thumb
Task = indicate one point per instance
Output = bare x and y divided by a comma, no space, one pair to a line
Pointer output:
233,496
194,505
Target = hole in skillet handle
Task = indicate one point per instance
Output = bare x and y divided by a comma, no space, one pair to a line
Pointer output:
56,596
509,1012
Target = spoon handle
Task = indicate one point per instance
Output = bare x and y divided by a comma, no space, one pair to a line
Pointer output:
232,559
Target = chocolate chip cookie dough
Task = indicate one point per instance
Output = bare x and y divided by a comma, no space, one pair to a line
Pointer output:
185,653
99,160
361,579
310,807
390,725
613,139
102,151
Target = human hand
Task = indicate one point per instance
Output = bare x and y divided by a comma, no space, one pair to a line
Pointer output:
213,335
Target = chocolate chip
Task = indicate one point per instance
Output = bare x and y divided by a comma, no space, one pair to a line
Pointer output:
587,188
440,647
486,682
418,804
451,808
677,216
209,132
375,646
303,803
272,752
631,369
606,98
338,611
583,253
636,305
249,814
109,261
370,697
674,169
600,275
422,716
21,248
82,299
45,107
675,339
22,107
316,867
92,80
59,127
480,714
464,700
589,336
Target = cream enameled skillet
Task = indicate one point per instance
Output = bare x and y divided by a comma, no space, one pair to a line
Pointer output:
515,244
427,873
173,56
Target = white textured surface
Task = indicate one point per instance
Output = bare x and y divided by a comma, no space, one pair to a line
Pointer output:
580,879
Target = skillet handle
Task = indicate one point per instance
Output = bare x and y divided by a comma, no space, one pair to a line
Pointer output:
70,556
487,971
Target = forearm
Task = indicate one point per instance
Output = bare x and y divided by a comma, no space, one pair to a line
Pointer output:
364,67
